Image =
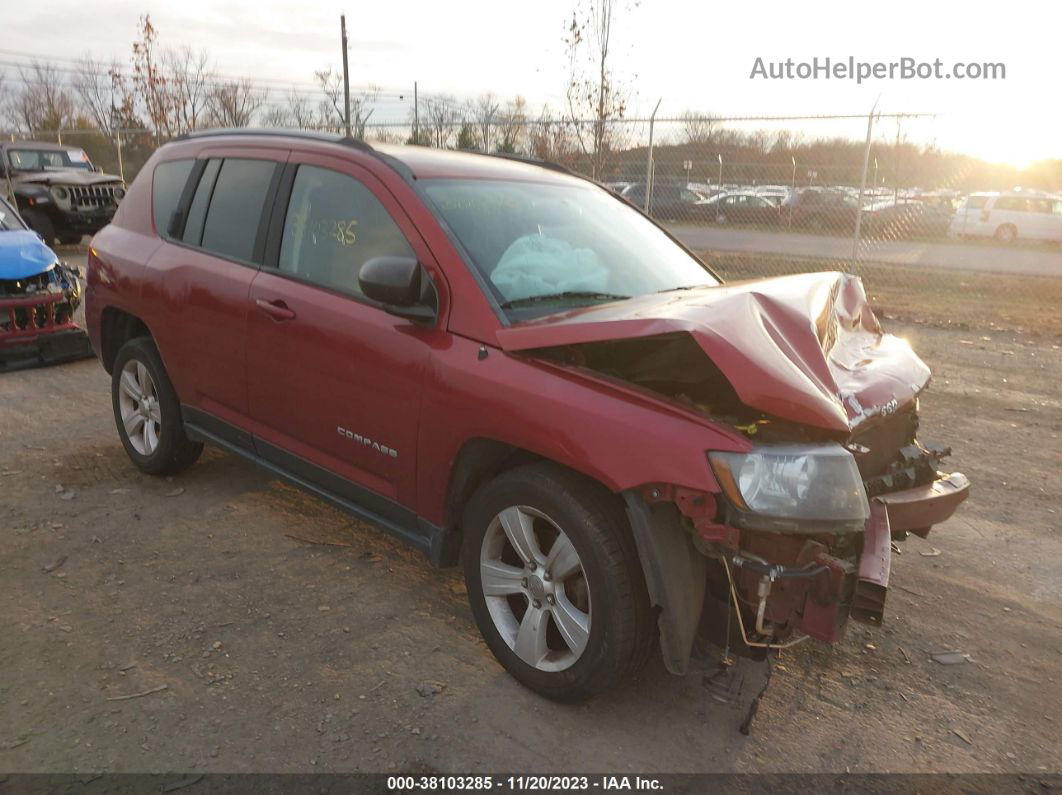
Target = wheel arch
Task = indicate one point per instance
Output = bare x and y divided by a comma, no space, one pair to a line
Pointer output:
481,458
117,327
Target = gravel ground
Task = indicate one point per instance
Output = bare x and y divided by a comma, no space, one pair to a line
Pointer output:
222,621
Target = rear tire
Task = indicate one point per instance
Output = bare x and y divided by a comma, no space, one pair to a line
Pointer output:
41,224
147,411
1006,233
567,625
71,239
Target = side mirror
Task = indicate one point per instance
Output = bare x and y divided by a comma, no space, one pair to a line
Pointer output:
396,283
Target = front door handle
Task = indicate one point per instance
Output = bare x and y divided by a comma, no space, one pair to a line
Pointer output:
277,309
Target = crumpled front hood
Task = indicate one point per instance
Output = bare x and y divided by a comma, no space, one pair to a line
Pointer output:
22,254
71,176
804,348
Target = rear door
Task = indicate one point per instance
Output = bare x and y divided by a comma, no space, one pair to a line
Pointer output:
203,275
335,381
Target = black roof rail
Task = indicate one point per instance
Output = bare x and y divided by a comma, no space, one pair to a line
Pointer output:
534,161
277,132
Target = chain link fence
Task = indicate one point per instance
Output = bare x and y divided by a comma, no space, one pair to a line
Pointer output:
936,237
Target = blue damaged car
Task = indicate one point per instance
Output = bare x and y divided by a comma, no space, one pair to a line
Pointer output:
38,298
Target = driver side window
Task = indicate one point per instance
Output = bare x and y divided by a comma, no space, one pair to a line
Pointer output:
334,225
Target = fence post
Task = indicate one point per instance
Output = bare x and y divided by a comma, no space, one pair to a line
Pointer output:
649,161
792,191
118,146
863,182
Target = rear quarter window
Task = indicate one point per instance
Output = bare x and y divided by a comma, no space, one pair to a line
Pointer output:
235,212
167,184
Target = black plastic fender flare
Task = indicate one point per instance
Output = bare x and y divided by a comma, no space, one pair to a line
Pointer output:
675,574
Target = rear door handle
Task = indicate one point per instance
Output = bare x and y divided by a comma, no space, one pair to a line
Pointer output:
277,309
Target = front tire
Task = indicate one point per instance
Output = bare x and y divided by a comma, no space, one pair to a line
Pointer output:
147,411
554,582
41,224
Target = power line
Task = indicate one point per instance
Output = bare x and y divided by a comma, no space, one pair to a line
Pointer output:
103,69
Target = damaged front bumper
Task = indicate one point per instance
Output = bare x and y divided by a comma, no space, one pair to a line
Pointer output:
37,327
782,587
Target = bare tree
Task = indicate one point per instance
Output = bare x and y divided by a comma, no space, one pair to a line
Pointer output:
596,98
44,101
697,127
275,116
188,77
331,107
302,115
149,80
512,126
442,115
486,110
551,139
233,103
103,92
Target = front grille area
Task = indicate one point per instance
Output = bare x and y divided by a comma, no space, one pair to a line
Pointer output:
891,459
93,195
884,442
44,302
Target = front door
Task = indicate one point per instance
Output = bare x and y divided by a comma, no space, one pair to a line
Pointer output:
334,381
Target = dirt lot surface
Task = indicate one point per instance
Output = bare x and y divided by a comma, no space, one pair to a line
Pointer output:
223,621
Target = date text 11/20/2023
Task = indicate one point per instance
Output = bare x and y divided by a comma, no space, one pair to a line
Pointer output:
522,783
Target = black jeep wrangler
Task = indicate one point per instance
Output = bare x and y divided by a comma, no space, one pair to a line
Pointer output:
57,190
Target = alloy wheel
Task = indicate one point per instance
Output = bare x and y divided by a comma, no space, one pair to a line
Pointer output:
535,588
138,402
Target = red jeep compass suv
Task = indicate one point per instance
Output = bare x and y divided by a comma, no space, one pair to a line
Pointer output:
511,368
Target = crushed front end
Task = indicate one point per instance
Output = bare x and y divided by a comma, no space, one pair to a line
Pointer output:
37,319
818,465
799,539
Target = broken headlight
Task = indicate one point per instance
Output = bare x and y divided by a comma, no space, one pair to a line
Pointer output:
793,488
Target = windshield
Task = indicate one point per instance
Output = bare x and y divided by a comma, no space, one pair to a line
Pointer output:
556,246
43,159
9,222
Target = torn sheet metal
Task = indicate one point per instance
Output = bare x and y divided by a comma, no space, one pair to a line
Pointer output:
805,348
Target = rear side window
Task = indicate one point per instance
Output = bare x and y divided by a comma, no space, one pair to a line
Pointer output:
166,188
235,210
334,225
193,227
1015,203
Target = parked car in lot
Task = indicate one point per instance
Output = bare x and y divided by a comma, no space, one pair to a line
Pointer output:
668,202
1010,216
514,370
890,220
59,193
737,208
38,298
820,210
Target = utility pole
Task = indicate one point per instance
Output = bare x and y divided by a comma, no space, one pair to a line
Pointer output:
416,115
346,76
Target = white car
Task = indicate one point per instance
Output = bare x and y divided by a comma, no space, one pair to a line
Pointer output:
1009,216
